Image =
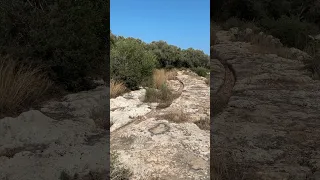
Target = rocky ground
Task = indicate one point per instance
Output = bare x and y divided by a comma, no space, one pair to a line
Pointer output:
68,139
63,139
164,143
265,113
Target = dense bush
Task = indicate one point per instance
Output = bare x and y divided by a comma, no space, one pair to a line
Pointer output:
290,30
201,71
69,37
169,55
257,9
131,62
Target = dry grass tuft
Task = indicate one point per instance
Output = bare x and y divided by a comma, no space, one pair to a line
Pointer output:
21,85
176,116
159,78
264,46
116,88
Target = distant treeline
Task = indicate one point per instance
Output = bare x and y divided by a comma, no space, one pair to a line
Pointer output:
168,55
132,61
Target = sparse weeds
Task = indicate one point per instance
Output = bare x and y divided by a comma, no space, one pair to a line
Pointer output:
176,116
20,85
161,95
151,95
116,88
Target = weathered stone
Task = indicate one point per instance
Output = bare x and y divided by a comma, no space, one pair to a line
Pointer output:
162,146
270,122
41,144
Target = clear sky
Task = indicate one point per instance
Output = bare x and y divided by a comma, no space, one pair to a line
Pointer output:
183,23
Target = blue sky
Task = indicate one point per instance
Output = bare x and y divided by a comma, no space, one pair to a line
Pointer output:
184,23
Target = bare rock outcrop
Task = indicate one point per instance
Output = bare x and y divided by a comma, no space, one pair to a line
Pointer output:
270,125
61,137
166,143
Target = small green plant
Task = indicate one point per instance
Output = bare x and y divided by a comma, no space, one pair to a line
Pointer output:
161,95
177,116
151,95
165,93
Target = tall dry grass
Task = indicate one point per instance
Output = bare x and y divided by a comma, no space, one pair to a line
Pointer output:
20,85
160,91
159,78
116,88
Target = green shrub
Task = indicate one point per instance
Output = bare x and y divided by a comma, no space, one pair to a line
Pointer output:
201,71
131,63
151,95
170,55
165,93
159,95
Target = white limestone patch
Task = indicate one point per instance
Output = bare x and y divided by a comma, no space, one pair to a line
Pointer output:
127,107
36,146
158,147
